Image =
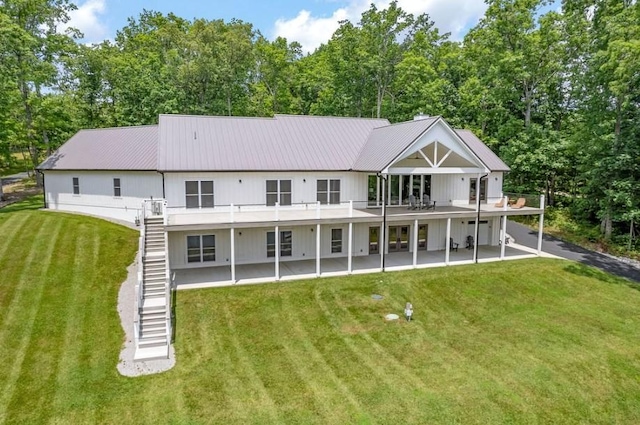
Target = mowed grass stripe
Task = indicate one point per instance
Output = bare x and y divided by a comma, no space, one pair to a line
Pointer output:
315,370
88,241
45,351
10,229
21,315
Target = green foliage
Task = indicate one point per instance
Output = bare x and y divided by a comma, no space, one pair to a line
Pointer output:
555,92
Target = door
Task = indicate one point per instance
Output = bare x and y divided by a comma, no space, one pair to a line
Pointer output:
374,240
398,238
483,231
422,237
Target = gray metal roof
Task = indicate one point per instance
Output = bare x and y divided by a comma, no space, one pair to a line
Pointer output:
482,151
285,142
282,143
125,148
386,143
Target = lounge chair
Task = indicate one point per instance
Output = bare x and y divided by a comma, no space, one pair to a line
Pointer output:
500,204
453,246
427,203
413,205
519,204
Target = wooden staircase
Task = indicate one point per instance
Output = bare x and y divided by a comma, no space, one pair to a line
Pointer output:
154,336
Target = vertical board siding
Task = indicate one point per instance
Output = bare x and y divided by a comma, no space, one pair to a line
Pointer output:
249,188
96,192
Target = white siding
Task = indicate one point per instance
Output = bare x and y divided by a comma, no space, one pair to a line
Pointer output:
97,195
494,189
249,188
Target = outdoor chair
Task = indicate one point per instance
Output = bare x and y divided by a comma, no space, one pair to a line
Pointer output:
469,242
453,246
412,202
500,204
427,203
519,204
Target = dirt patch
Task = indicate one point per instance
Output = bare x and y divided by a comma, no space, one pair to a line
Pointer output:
17,191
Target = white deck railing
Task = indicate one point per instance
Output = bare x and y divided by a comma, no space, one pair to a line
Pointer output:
139,283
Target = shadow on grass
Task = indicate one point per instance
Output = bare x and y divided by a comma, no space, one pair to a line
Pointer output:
31,203
592,272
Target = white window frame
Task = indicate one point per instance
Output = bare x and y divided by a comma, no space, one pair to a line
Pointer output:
282,243
201,249
200,195
279,193
117,188
334,242
330,192
75,184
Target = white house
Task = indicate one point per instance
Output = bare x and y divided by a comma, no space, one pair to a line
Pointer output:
231,200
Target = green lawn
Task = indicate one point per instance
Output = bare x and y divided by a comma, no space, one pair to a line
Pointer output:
536,341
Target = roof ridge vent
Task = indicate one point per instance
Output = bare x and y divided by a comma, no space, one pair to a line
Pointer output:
420,116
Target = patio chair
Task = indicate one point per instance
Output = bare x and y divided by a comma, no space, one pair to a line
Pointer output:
500,204
519,204
453,246
413,204
469,244
427,203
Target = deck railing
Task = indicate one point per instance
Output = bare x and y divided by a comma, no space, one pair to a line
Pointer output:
138,286
530,200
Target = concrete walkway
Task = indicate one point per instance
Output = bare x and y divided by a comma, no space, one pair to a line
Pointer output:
6,180
527,237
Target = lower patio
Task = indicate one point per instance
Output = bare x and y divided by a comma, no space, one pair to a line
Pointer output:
205,277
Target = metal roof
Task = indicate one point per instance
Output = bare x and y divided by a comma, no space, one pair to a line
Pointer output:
285,142
125,148
386,143
482,151
282,143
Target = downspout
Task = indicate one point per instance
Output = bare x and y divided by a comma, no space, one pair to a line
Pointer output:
44,188
478,193
163,194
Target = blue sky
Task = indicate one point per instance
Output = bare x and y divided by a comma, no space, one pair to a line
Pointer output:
309,22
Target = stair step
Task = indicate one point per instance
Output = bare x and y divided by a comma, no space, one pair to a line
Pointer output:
153,332
151,353
152,342
146,320
158,315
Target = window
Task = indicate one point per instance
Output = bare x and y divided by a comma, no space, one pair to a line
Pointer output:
116,188
199,194
76,186
201,248
328,191
285,243
278,191
336,240
472,189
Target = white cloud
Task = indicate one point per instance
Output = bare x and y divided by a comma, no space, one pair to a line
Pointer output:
453,16
87,19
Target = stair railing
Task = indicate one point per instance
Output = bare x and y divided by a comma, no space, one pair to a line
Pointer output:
139,282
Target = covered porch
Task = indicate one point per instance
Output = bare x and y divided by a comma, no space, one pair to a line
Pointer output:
306,269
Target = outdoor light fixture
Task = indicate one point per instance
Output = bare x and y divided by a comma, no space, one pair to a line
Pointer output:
240,181
463,179
304,180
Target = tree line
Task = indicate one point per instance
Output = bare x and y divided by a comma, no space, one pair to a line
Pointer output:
554,91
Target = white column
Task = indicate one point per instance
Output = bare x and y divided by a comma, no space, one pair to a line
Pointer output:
503,237
476,235
415,243
277,252
447,243
277,211
231,212
233,254
350,244
541,225
377,191
318,250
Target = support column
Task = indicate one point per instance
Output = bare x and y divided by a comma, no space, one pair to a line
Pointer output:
447,242
541,225
277,252
233,254
415,243
350,244
318,250
503,237
477,229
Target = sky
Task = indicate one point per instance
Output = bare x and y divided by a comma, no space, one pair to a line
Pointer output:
310,22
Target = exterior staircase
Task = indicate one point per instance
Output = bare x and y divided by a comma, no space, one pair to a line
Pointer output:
153,325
